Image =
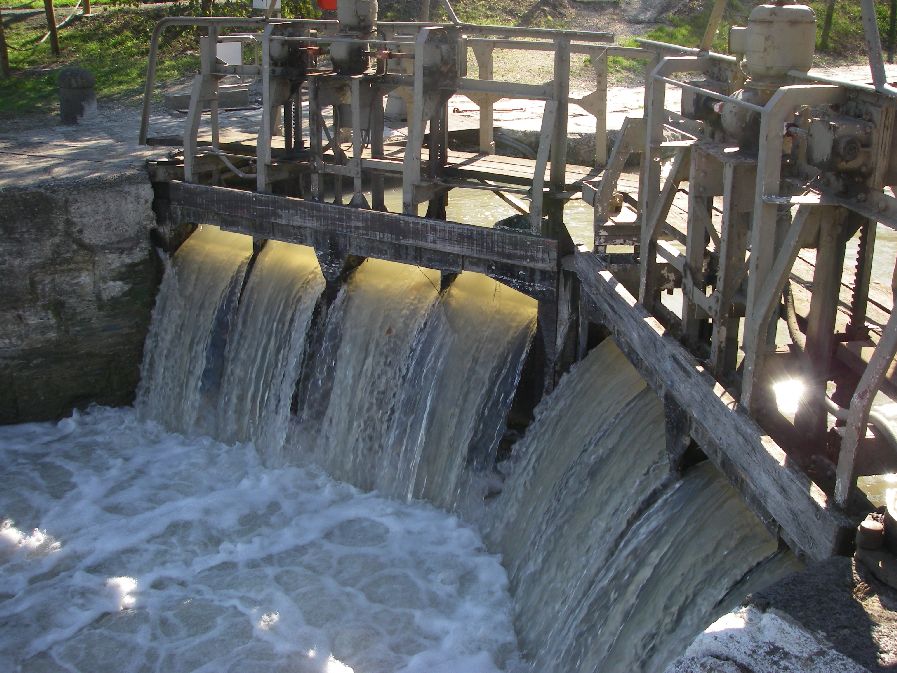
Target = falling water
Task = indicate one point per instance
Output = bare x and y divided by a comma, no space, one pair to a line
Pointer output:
156,551
417,386
190,323
614,564
265,348
633,562
462,381
370,333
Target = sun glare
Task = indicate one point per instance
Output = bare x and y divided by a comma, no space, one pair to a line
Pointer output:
789,393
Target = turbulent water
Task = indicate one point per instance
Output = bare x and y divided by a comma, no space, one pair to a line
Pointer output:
152,551
632,562
128,548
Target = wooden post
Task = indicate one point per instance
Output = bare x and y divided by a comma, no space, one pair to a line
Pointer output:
86,7
600,65
536,203
716,15
314,138
892,31
376,135
358,199
649,187
4,54
860,406
700,209
827,25
811,420
737,203
51,26
557,175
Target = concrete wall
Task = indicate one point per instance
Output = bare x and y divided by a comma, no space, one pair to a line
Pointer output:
79,280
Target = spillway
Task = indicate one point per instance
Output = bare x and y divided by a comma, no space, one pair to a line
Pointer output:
613,563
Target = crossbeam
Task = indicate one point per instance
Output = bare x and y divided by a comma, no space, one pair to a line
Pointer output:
778,491
523,261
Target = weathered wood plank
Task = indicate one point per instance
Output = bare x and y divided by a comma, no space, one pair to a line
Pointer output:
523,261
808,520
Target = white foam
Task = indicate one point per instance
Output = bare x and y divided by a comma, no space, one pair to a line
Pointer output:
188,555
36,543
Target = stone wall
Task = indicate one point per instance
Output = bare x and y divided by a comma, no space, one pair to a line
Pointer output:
79,280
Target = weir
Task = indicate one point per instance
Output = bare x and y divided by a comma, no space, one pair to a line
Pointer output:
614,562
720,215
642,425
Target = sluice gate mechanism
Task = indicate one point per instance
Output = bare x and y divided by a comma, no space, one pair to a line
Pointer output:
724,218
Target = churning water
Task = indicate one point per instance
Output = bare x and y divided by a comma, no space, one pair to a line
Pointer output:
151,551
154,552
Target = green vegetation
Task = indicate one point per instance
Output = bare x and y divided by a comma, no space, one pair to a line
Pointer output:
113,44
39,4
845,39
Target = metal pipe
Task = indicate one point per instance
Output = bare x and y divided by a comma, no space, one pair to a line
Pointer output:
341,38
709,93
575,47
583,35
822,79
687,51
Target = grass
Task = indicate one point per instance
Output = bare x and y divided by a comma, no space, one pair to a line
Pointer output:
113,46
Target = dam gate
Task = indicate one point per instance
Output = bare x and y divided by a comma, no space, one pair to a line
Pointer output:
724,218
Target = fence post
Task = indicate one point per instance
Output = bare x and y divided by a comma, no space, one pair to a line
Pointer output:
51,26
4,54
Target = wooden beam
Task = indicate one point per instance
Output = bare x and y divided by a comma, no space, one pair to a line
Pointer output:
51,26
716,15
860,407
737,202
538,189
812,420
4,53
525,262
808,520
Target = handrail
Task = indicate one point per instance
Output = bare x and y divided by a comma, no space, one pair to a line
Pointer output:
162,24
253,22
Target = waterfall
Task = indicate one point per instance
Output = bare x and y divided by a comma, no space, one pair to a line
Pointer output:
412,388
633,561
263,354
614,563
189,326
407,389
463,377
370,333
